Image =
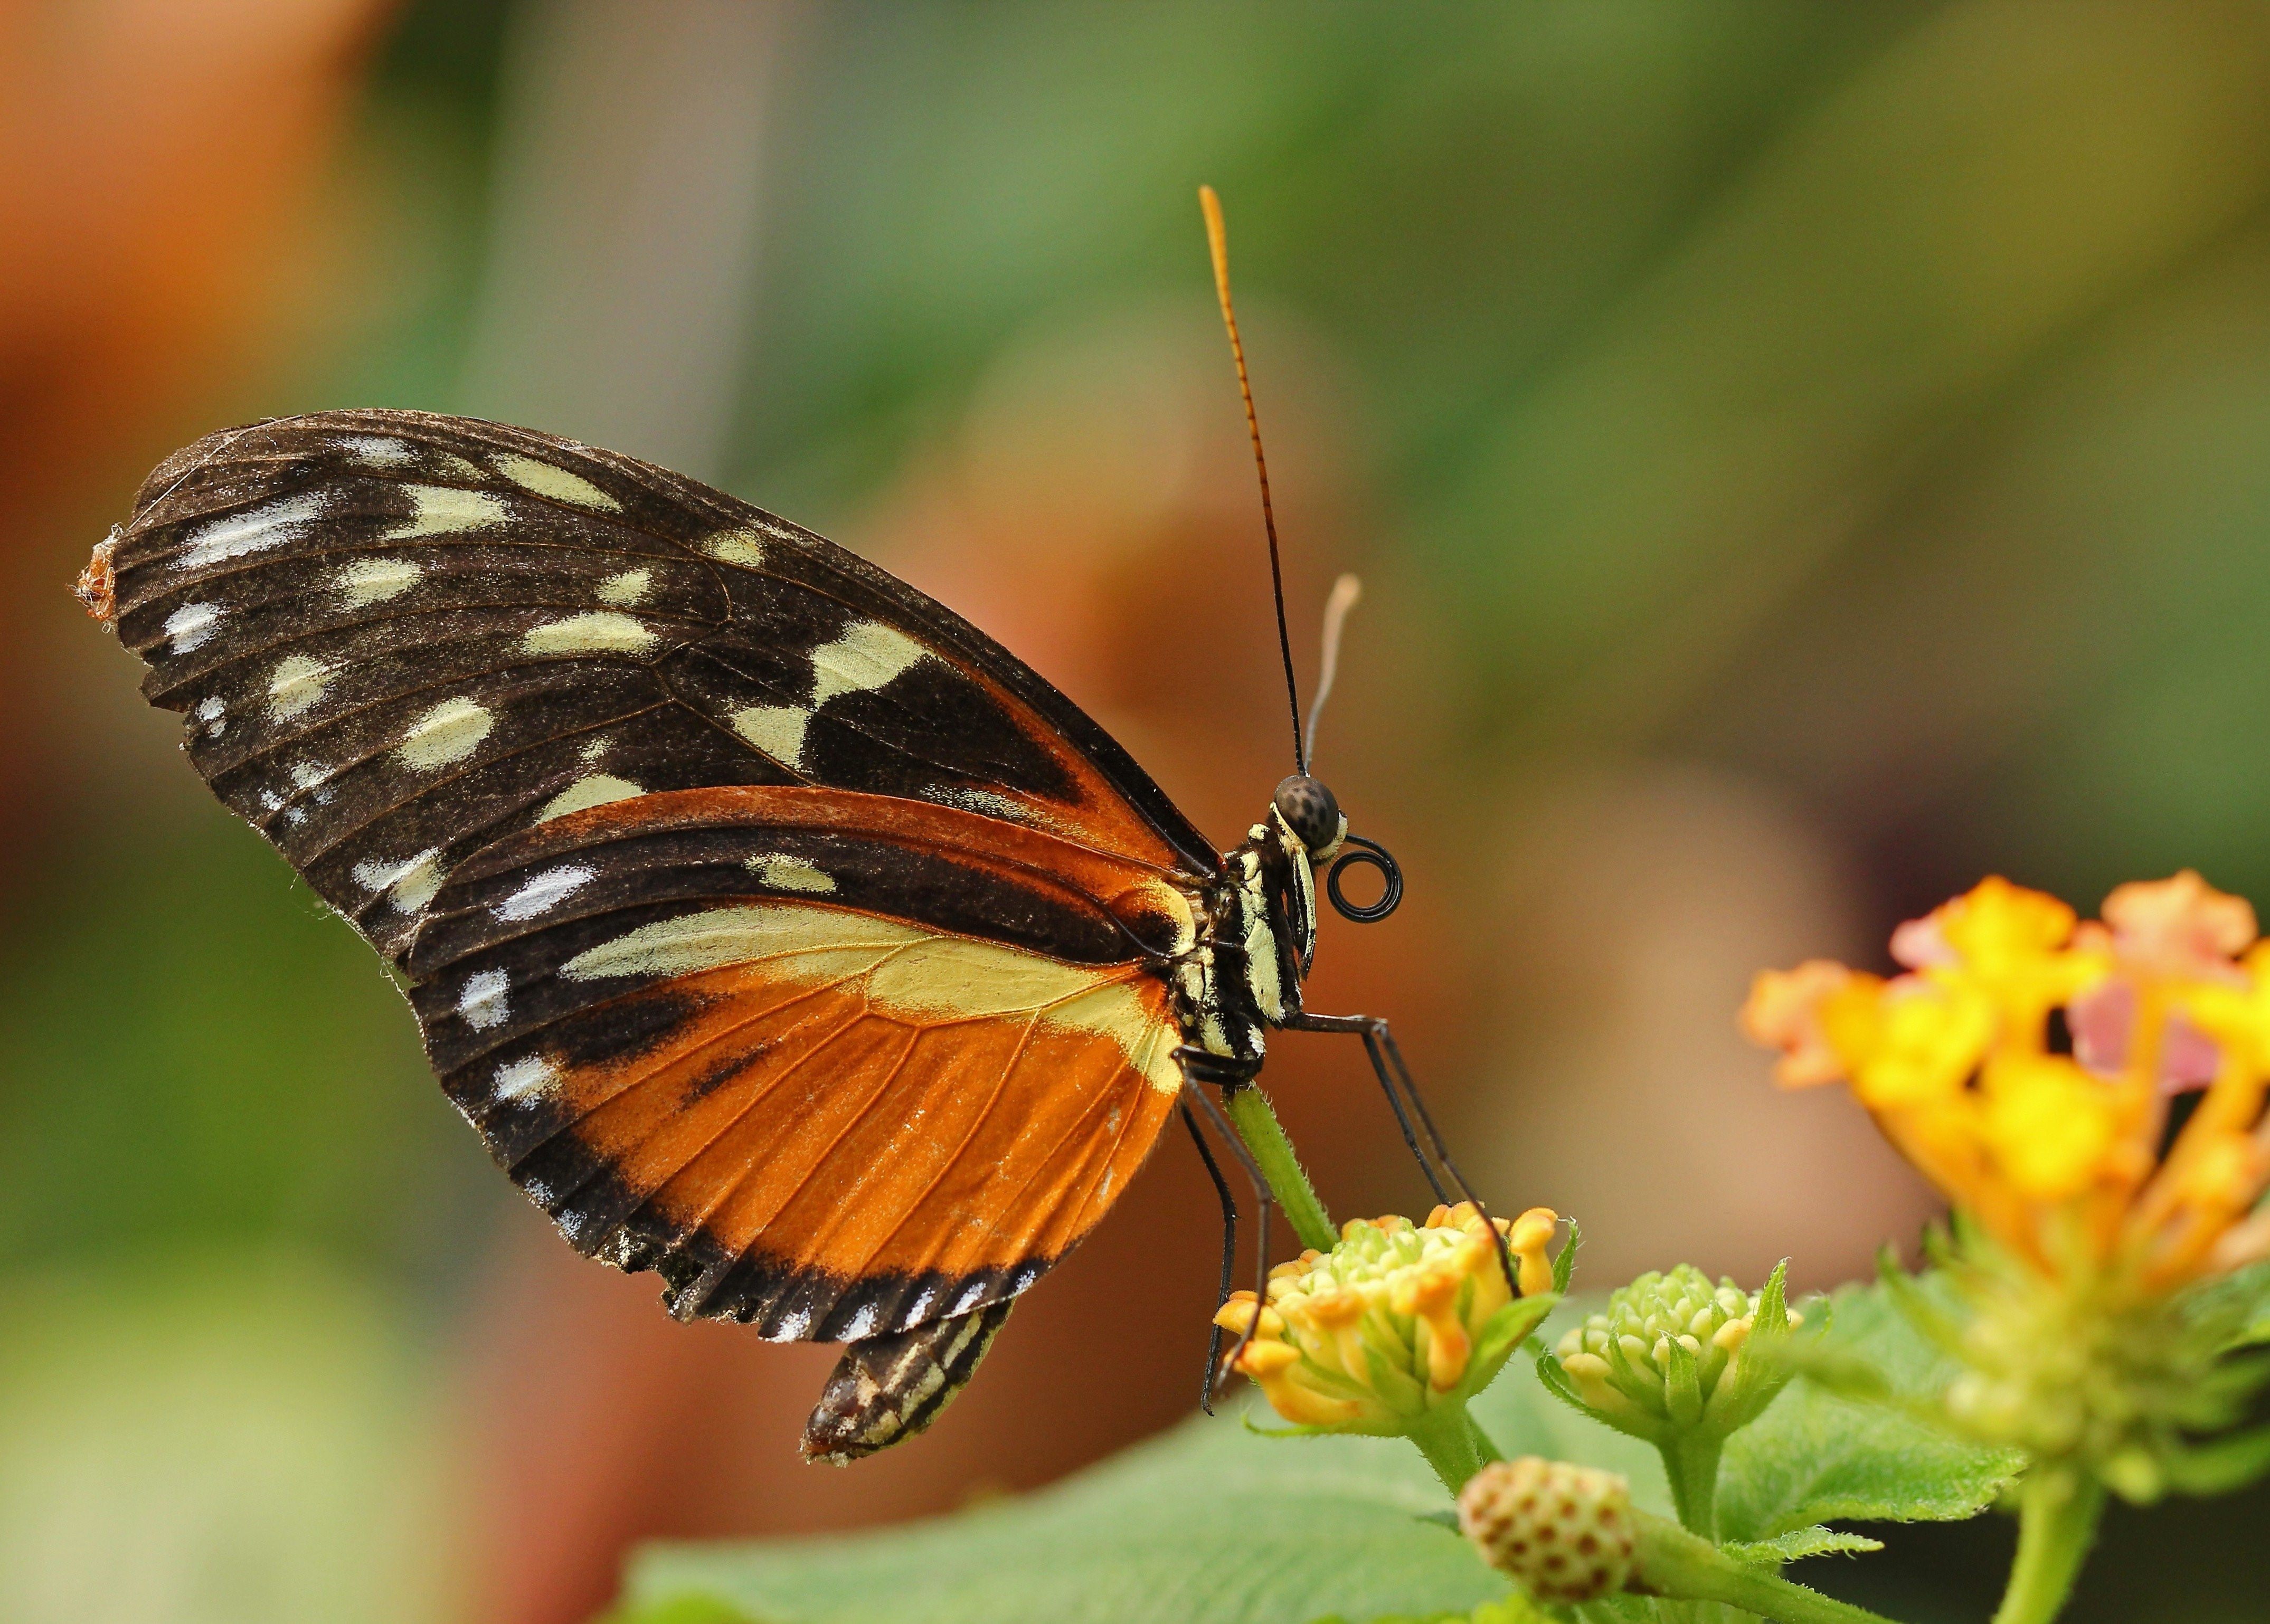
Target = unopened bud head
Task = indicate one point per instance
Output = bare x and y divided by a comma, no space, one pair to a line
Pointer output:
1564,1531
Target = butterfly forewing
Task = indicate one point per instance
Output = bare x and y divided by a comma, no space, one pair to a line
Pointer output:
399,637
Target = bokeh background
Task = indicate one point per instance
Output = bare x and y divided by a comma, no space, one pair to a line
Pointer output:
1802,455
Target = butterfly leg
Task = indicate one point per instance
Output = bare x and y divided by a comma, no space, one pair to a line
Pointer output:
1200,1067
1229,1254
1395,1081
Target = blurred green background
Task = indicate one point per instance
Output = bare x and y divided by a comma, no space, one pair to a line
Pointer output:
1803,455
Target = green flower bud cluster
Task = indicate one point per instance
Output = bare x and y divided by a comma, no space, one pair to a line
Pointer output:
2119,1386
1565,1531
1668,1355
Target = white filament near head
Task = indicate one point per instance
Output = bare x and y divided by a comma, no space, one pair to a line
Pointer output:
1347,591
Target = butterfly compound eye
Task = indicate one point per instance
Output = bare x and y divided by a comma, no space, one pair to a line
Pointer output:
1310,810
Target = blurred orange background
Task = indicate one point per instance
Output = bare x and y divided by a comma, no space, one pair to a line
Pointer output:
1800,457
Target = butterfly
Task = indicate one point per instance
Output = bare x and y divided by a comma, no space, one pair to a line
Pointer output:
777,931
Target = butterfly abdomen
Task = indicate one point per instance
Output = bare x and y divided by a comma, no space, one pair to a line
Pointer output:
888,1388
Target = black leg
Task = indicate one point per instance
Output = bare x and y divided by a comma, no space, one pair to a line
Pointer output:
1395,1081
1229,1254
1195,1062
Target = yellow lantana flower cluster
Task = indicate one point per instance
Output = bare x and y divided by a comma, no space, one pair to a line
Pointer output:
1398,1320
2048,1133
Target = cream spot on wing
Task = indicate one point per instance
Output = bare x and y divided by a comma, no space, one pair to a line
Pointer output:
776,729
905,972
409,885
456,467
191,625
308,775
626,588
545,891
596,790
516,1079
442,509
784,873
295,685
452,731
374,581
557,482
594,748
741,547
269,525
213,712
484,999
376,450
588,633
868,655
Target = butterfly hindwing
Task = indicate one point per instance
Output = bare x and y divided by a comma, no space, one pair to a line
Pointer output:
835,1064
398,638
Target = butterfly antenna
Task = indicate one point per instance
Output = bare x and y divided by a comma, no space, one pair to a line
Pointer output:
1217,242
1347,592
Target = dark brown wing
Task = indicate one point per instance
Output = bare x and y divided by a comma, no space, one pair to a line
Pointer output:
398,638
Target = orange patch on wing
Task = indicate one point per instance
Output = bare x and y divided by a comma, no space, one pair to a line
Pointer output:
806,1123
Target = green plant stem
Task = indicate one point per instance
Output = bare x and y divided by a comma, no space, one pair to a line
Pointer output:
1256,1124
1452,1444
1674,1563
1691,1462
2057,1514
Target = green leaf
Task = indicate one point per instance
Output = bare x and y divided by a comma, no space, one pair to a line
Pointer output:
1207,1524
1210,1524
1814,1457
691,1608
1797,1544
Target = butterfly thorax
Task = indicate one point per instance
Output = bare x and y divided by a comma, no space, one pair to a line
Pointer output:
1257,939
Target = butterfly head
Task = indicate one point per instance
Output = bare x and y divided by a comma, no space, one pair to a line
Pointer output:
1312,812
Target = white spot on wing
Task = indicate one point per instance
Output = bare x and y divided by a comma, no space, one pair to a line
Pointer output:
483,999
409,885
545,891
588,633
295,685
211,711
191,625
557,482
516,1079
784,873
626,588
793,1324
255,531
596,790
740,547
376,450
968,1299
444,509
374,581
452,731
861,1323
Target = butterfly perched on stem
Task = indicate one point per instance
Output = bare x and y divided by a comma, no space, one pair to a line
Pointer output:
778,931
